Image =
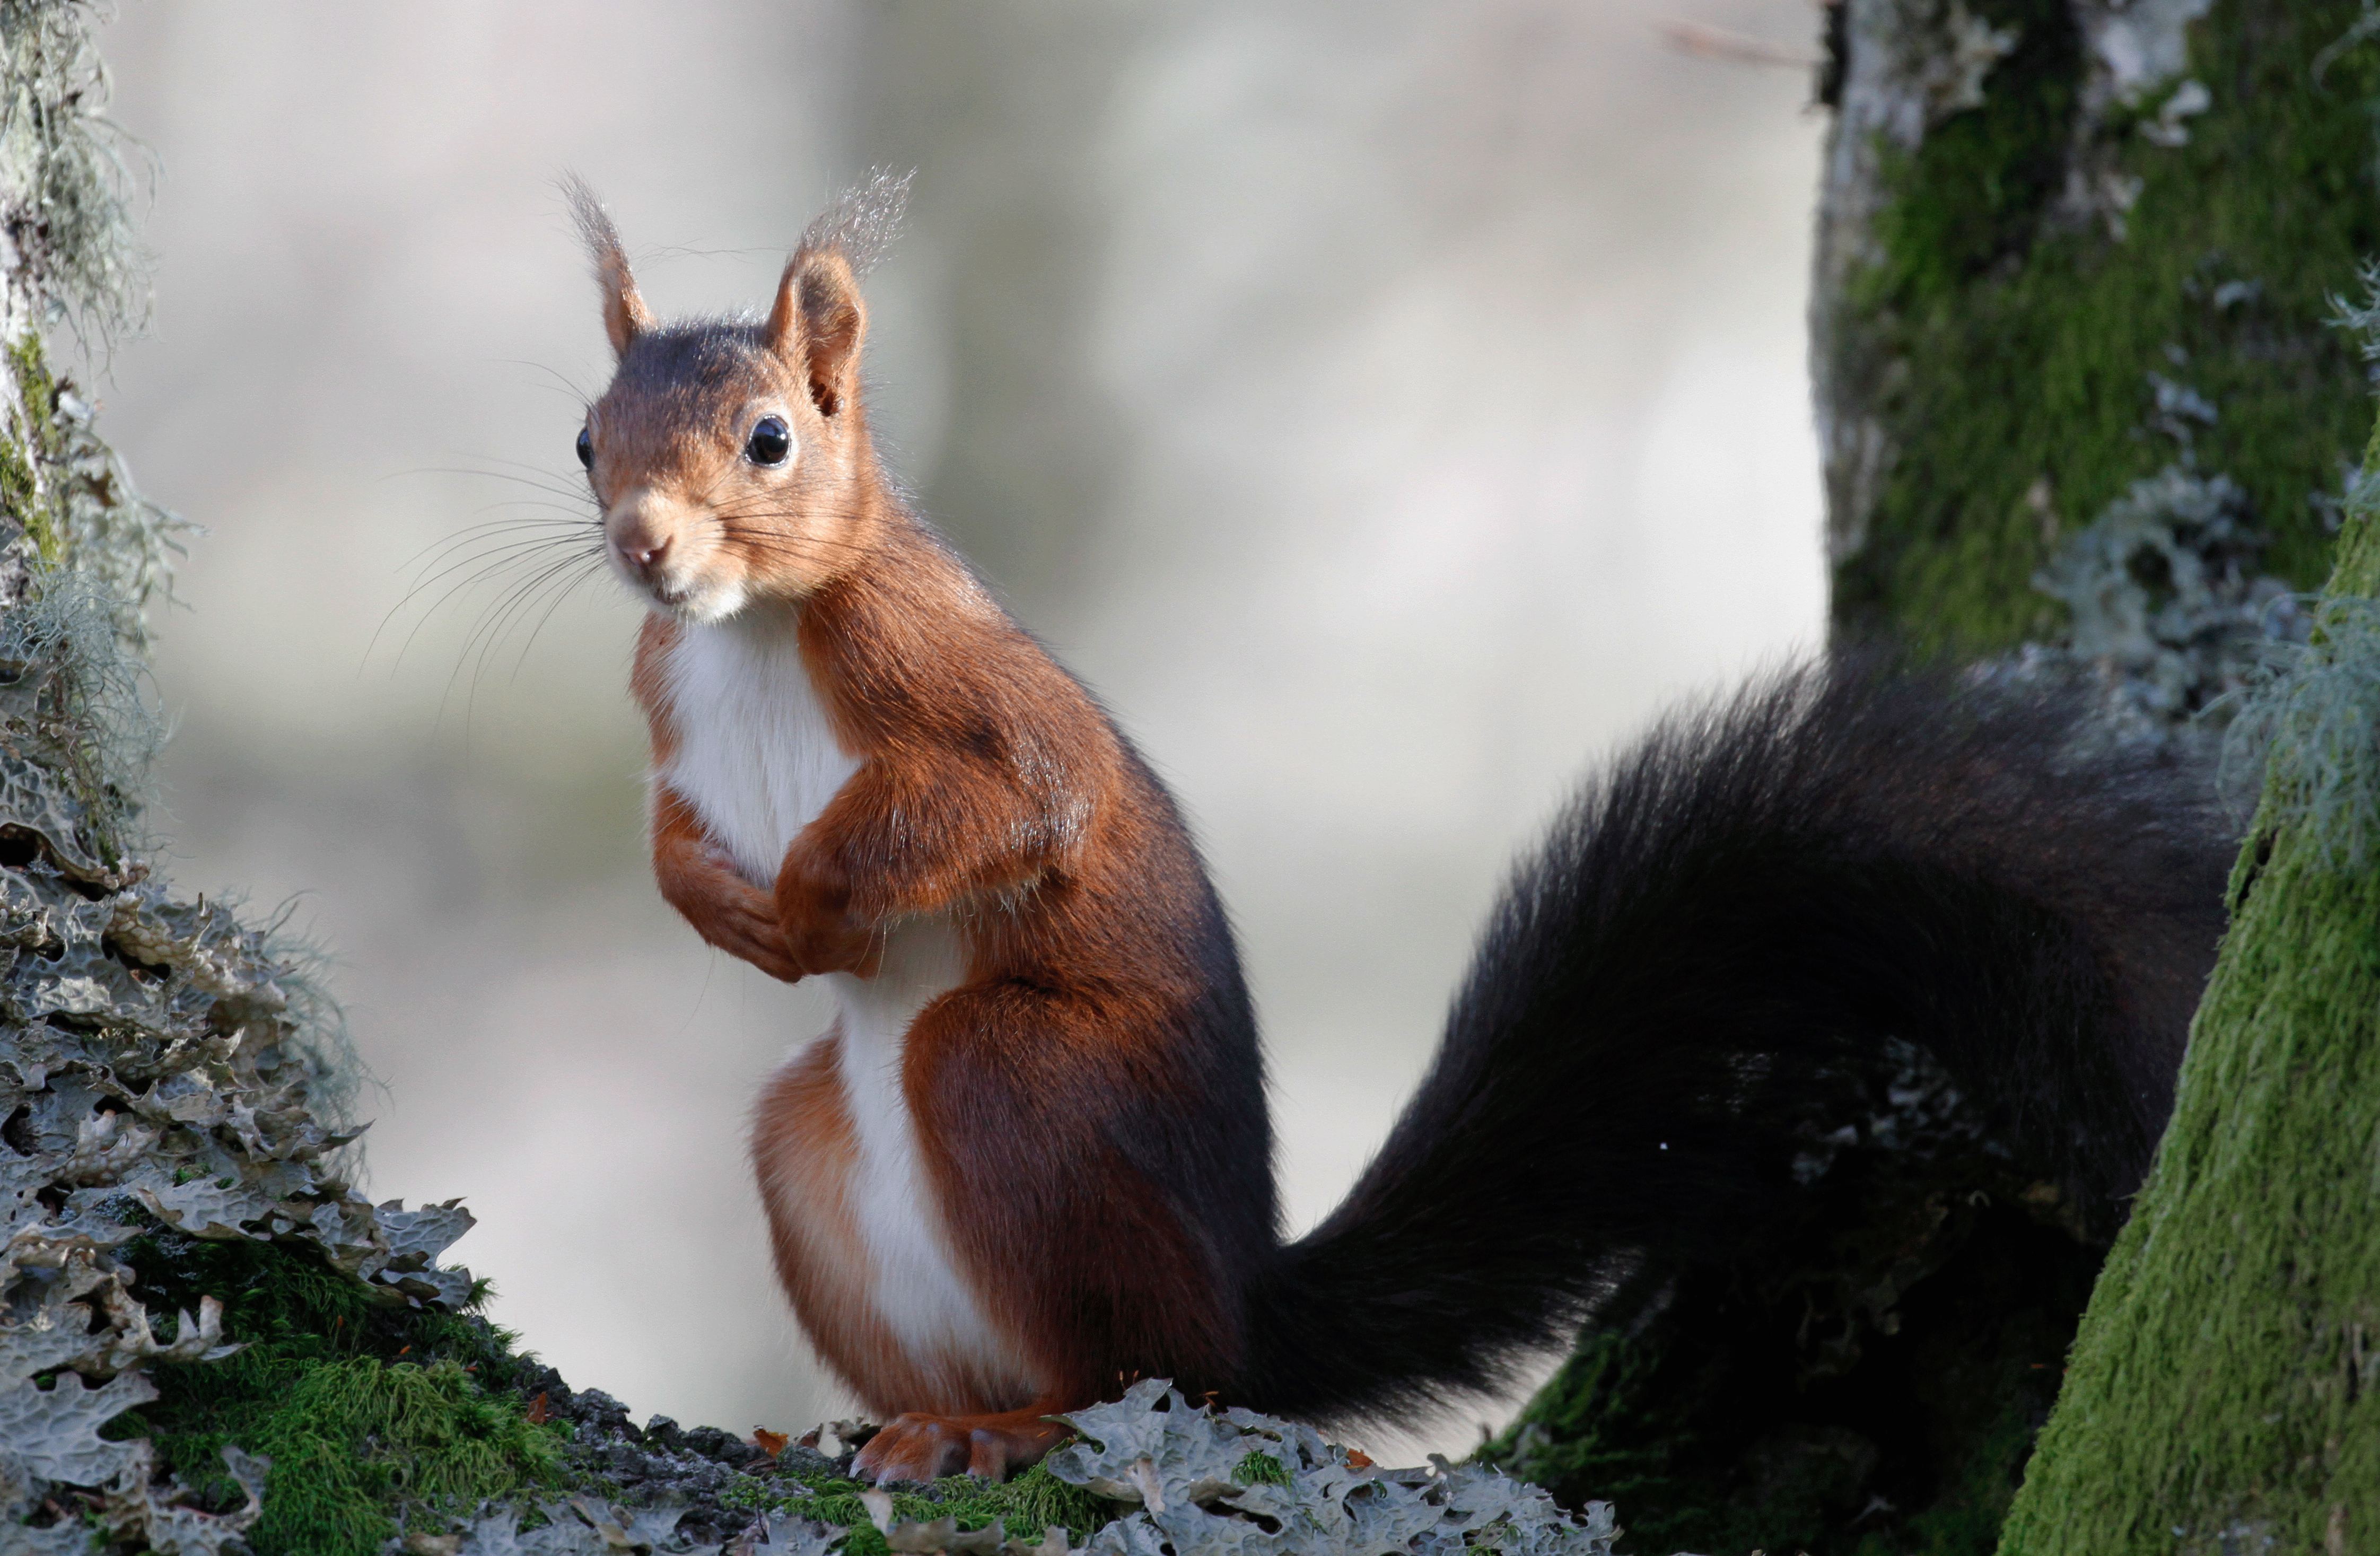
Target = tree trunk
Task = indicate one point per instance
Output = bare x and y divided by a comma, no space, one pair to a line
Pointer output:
2064,245
2216,1398
2077,387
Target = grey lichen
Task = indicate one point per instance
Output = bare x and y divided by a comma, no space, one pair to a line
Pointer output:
2165,597
123,547
66,188
2167,602
2136,52
1184,1471
1166,1478
153,1072
2308,722
591,1527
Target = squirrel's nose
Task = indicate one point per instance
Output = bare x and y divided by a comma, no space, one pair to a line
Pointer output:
642,553
640,526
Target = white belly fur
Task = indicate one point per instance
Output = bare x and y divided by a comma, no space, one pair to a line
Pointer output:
758,760
756,757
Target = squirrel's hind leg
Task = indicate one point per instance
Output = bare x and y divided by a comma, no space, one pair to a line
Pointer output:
1072,1198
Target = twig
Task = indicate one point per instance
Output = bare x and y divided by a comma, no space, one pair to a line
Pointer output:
1713,43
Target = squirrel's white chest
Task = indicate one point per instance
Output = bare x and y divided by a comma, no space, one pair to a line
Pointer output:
756,755
758,760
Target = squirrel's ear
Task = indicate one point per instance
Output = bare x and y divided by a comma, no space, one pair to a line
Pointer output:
624,314
818,323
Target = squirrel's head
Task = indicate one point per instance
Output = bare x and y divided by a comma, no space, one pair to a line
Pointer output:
730,458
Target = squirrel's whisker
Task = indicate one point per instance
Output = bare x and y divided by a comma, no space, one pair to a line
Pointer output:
488,633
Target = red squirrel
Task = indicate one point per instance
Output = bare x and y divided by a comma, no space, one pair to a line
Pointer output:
1030,1159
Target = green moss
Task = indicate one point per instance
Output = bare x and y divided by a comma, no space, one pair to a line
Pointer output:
1023,1506
1260,1468
361,1408
1647,1425
1973,196
1566,1436
17,489
2221,1393
1698,1460
2001,343
1968,1517
20,491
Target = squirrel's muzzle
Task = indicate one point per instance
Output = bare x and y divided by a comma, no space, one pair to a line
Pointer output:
655,541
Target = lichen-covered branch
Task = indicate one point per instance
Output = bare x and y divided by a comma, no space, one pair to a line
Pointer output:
170,1078
70,254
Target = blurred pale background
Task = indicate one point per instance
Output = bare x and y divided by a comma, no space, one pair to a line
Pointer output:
1383,405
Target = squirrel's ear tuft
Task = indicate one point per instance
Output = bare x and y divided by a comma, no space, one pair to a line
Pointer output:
624,314
863,219
819,322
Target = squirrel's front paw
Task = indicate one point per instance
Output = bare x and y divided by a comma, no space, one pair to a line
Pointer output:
844,945
823,929
747,930
703,882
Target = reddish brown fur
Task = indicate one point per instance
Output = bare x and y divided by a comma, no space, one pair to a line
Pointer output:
989,786
1064,878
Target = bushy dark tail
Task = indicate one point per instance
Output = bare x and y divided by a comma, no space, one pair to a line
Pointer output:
1838,856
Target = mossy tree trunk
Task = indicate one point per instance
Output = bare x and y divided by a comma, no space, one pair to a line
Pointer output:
2220,1395
2078,385
2063,245
2069,248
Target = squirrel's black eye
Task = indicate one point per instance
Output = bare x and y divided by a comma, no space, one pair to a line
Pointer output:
586,449
771,441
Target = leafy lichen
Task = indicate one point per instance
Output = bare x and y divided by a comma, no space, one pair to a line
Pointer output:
1151,1474
176,1220
2166,600
1178,1467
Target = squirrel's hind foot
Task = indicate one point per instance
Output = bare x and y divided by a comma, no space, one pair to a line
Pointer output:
921,1447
